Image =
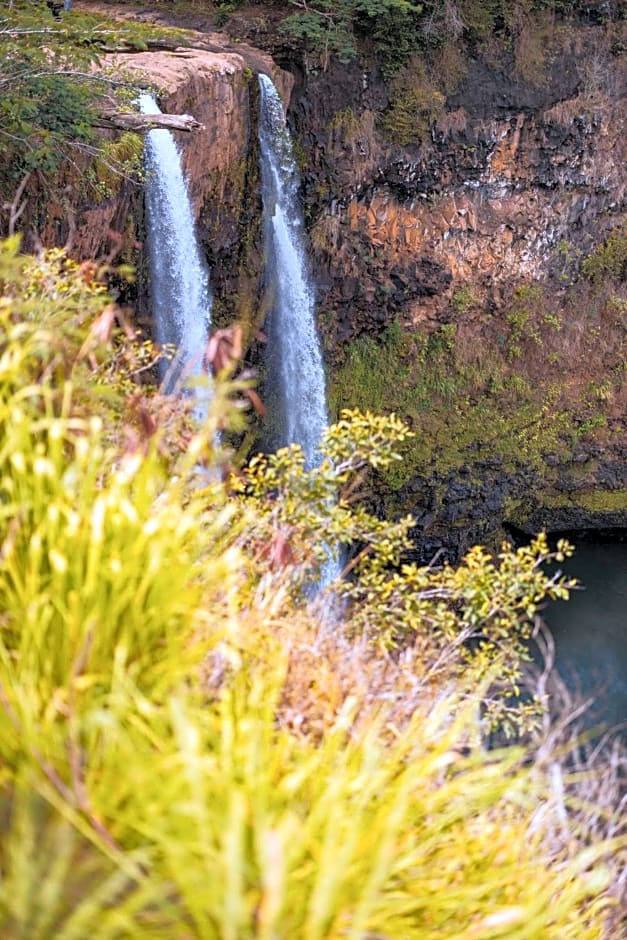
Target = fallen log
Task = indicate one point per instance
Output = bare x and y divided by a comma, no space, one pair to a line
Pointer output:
141,123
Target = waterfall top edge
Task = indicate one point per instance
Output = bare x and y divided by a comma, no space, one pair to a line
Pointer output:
148,103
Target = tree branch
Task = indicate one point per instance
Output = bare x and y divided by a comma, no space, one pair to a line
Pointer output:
302,4
66,73
27,32
141,123
17,207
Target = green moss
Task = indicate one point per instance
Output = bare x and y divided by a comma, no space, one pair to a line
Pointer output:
595,500
471,402
604,500
461,413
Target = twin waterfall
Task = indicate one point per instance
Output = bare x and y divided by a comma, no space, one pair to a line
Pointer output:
295,370
179,283
179,280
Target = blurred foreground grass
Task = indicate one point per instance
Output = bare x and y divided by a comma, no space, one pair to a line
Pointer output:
189,746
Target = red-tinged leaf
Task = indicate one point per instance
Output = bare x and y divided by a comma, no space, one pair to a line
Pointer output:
99,334
277,553
102,327
224,349
255,401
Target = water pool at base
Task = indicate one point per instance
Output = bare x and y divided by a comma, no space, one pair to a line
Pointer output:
590,630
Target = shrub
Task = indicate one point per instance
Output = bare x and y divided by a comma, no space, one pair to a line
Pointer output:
415,103
188,749
609,260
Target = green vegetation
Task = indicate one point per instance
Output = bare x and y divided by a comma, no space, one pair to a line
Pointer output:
610,501
396,30
185,749
114,161
330,26
502,386
464,299
525,318
454,406
49,98
609,261
47,94
415,103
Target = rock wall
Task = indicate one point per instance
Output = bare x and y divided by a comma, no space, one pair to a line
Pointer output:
212,82
515,183
507,174
468,242
218,87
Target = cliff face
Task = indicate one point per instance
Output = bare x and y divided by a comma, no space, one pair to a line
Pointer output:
218,86
505,176
489,201
213,83
470,273
460,256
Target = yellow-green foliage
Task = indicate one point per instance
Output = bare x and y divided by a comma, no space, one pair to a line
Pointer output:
114,161
159,774
415,103
609,261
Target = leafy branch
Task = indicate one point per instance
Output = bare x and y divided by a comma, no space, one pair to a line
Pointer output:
330,26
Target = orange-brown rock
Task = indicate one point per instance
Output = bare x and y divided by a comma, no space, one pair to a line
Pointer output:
509,175
213,86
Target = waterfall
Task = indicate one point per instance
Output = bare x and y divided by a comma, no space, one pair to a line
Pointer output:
296,381
179,280
296,384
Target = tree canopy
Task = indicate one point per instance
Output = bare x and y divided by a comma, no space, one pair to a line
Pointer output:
397,29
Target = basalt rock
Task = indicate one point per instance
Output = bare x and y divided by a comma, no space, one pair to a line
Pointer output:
510,171
519,179
514,183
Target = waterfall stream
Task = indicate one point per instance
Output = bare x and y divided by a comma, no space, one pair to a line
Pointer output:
296,385
179,279
296,381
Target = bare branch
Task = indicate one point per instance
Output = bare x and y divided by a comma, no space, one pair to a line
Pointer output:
17,207
27,32
141,123
302,4
67,73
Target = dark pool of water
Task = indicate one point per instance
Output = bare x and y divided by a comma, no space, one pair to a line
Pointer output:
590,630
